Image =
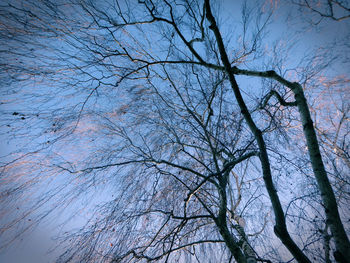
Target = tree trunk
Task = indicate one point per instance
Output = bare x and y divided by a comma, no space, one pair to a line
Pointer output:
342,244
342,253
247,249
280,227
221,223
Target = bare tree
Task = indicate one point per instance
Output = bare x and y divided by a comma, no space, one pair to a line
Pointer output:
336,10
135,107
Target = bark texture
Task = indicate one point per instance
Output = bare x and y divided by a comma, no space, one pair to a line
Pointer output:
280,227
341,240
342,253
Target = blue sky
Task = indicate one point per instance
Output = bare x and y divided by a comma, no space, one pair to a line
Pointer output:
286,27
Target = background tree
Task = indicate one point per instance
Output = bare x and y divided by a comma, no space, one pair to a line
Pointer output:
134,109
336,10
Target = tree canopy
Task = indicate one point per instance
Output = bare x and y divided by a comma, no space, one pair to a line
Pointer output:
175,130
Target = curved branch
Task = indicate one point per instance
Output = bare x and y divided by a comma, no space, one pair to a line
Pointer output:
280,228
279,98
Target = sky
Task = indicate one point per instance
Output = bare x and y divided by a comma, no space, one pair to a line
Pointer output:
286,26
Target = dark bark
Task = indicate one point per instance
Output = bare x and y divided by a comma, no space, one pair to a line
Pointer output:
280,227
341,240
342,253
221,222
